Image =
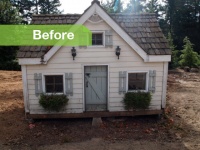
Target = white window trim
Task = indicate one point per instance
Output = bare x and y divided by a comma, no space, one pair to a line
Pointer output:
51,74
96,46
147,81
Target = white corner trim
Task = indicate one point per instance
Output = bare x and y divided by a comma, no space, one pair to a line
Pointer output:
25,89
29,61
164,88
158,58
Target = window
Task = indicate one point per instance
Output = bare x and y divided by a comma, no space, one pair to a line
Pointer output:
97,38
54,84
137,81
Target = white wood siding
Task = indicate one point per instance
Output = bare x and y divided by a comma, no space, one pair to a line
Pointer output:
62,62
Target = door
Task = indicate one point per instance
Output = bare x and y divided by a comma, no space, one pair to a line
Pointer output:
96,84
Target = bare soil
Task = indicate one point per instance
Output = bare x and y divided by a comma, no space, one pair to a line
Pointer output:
178,128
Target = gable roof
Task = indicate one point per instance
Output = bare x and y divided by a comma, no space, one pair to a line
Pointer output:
142,28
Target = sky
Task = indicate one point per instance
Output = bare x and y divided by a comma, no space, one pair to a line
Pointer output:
77,6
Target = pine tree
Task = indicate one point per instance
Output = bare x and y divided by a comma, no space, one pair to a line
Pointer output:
49,6
134,6
189,57
8,15
109,6
174,62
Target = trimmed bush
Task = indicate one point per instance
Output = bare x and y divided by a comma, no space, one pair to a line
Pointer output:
53,102
137,100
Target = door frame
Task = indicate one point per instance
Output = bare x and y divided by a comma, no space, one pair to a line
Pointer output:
108,83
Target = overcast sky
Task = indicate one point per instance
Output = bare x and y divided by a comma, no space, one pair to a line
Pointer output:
76,6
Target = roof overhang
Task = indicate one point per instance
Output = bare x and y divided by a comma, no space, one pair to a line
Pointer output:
95,8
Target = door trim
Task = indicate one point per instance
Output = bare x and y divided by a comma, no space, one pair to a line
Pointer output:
108,84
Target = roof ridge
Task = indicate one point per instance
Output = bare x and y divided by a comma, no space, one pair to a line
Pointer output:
139,14
44,15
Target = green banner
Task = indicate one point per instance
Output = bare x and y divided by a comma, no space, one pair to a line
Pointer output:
45,35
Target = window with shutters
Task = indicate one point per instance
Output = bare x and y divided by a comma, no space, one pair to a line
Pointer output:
54,83
137,81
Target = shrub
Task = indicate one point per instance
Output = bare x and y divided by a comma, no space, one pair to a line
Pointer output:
189,57
137,100
53,102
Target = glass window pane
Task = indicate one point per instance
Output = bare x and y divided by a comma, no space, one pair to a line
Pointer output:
136,81
49,88
97,39
48,79
59,88
58,79
54,84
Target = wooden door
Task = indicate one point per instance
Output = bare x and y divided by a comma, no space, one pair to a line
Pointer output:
96,85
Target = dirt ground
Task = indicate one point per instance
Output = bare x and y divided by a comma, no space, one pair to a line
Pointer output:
178,129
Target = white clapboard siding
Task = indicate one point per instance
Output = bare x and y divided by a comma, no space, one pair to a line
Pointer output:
62,62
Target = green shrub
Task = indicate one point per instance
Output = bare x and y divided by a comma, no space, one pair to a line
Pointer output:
53,102
137,100
189,57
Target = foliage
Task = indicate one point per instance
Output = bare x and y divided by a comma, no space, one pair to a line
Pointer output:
8,15
137,100
109,6
49,6
174,62
53,102
29,7
134,6
184,20
189,57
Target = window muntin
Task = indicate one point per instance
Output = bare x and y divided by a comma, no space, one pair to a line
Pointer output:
137,81
97,38
54,84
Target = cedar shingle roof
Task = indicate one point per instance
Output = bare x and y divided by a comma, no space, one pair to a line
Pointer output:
145,31
142,28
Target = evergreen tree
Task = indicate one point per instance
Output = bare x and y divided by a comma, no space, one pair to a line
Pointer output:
135,6
174,62
8,15
184,20
154,6
109,6
26,9
49,6
189,57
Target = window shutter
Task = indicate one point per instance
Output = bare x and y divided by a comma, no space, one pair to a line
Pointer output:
152,81
122,82
108,38
69,84
38,84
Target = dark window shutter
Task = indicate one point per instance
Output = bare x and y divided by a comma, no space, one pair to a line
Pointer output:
69,83
108,38
152,81
122,82
38,84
